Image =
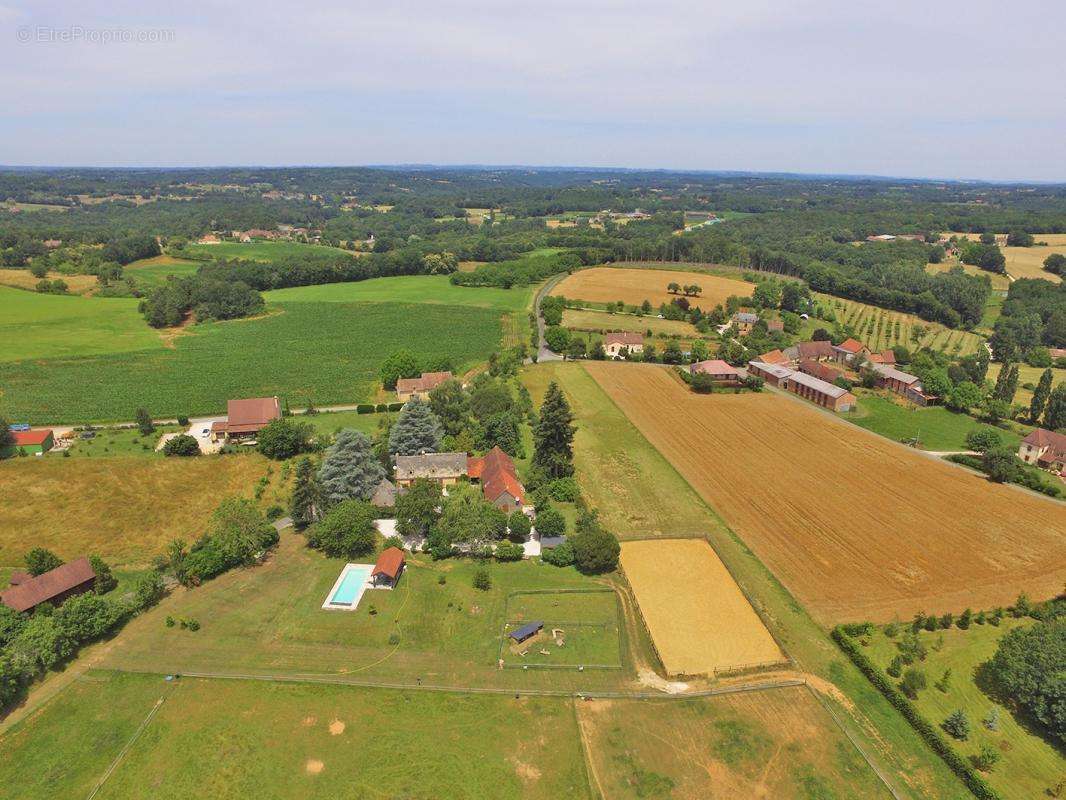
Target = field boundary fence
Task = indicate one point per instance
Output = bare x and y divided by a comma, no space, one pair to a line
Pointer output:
619,622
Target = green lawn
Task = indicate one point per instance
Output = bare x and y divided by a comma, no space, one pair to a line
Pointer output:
1028,763
126,442
270,619
36,326
263,250
152,272
589,622
334,421
407,289
936,427
239,739
325,353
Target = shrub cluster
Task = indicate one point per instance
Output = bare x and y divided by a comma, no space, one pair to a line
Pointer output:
965,771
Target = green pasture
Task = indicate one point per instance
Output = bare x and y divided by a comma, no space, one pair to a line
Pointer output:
325,353
237,739
270,619
936,427
48,326
152,272
588,622
406,289
118,442
1029,764
264,250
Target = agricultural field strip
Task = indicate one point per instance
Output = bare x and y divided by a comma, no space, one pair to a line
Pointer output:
634,286
765,463
698,617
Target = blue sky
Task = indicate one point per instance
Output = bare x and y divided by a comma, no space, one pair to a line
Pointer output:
945,89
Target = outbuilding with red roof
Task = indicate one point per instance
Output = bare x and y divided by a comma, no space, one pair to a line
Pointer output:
389,567
34,442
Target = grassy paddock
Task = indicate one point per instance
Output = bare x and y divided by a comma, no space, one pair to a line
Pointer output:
152,272
269,618
46,326
1028,764
590,622
779,743
936,427
407,289
284,740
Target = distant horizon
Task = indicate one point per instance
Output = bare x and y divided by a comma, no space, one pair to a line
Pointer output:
951,90
505,167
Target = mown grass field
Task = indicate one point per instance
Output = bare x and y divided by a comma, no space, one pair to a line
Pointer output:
1029,764
601,321
41,326
325,353
151,272
263,250
879,328
935,427
239,739
122,442
407,289
269,619
588,622
124,509
776,744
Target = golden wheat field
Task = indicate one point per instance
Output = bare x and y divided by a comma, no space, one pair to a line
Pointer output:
855,526
124,509
634,286
698,618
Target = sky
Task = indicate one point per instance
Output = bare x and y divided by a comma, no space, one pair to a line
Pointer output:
943,89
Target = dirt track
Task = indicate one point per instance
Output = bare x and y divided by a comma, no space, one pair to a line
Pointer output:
698,617
855,526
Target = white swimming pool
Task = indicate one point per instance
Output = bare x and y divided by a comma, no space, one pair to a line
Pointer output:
349,587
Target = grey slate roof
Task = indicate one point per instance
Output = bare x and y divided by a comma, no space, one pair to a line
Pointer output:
430,465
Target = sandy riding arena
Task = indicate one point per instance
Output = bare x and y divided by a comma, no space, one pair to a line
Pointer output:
698,617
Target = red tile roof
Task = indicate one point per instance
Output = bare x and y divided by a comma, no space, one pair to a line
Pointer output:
427,382
714,366
626,338
850,346
31,437
773,357
51,584
818,349
251,415
1040,438
820,370
389,563
498,475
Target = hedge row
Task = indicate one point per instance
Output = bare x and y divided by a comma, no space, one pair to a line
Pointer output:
370,408
962,768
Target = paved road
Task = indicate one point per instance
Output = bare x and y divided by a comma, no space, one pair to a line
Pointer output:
543,353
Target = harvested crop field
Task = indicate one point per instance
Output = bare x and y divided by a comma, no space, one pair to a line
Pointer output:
777,743
854,525
699,619
125,509
634,286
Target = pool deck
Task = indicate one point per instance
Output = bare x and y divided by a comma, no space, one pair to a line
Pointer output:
329,605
